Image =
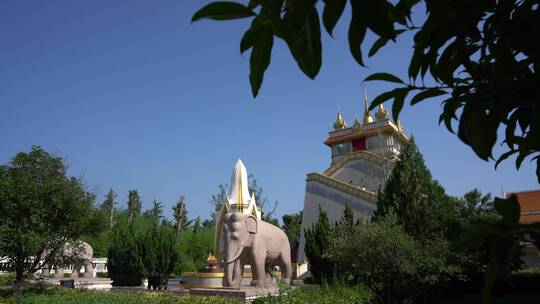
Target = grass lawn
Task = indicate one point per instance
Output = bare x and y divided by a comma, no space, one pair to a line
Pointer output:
324,295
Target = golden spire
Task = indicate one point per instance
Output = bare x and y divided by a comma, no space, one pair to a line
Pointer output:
367,115
381,114
357,124
340,122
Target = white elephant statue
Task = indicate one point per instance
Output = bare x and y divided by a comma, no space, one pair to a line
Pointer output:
81,252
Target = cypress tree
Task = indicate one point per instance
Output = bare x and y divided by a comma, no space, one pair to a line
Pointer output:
158,250
134,205
317,248
180,214
418,201
109,206
124,262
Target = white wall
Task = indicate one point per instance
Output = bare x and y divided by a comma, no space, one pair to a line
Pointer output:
333,201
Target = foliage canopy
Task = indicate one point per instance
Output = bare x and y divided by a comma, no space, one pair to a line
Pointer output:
41,211
481,55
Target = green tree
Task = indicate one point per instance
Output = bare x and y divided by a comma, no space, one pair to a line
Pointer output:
41,209
317,249
262,201
156,212
217,201
395,266
418,201
109,206
292,224
134,205
158,250
180,215
479,56
477,201
124,258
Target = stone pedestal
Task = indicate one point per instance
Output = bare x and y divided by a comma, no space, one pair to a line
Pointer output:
245,293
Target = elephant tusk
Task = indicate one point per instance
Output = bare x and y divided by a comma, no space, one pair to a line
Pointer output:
238,253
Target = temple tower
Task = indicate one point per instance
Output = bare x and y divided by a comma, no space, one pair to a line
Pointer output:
238,200
362,157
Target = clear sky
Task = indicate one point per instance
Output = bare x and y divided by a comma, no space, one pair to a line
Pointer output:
134,96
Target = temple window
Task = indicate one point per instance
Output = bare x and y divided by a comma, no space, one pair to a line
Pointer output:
342,148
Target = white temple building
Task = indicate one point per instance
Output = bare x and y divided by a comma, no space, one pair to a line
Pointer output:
362,158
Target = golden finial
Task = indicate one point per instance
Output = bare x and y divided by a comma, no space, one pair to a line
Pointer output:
357,124
381,114
399,125
340,122
367,115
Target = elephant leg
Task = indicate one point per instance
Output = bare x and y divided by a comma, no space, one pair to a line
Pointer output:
59,273
45,271
259,273
286,266
237,273
268,273
75,272
88,271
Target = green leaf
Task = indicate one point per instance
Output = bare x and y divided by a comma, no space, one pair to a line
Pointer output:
477,130
252,4
333,9
378,16
386,96
260,57
380,43
416,62
304,41
357,32
504,156
509,210
384,77
223,10
249,36
427,94
399,100
520,158
377,45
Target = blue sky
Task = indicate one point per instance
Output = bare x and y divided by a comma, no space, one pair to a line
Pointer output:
134,96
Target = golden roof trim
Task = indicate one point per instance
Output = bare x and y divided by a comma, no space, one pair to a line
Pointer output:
356,155
368,196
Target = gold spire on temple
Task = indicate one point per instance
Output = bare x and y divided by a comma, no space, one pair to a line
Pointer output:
340,122
356,123
381,114
367,116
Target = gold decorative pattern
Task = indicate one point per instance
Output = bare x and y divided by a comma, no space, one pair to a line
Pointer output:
381,114
366,195
340,122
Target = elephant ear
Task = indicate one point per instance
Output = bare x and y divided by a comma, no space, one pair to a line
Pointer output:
251,224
